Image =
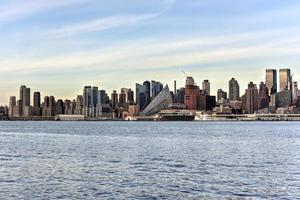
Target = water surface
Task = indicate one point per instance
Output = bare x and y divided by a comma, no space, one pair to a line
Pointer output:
149,160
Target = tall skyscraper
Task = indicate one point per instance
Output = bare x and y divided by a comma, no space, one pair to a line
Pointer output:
122,99
25,95
206,87
37,99
251,98
130,97
114,100
271,81
285,79
90,97
25,98
87,98
294,89
36,104
12,105
175,87
156,88
79,105
60,107
101,97
140,95
147,93
234,90
179,97
264,98
49,107
192,94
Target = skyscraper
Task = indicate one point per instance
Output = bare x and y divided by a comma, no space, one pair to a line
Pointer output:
294,89
37,104
12,104
234,90
122,99
263,96
114,99
140,95
206,87
271,81
192,94
90,97
25,99
147,93
37,99
285,79
79,105
251,98
130,97
101,97
156,88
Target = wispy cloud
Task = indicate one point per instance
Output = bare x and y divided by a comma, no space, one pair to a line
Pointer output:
101,24
167,52
21,9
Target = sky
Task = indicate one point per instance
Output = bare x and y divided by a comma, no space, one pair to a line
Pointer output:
57,47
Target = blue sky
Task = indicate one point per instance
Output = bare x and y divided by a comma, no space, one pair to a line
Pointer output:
57,47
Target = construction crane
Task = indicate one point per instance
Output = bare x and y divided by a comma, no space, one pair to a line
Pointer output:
184,73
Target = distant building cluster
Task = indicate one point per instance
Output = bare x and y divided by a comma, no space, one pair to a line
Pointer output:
152,97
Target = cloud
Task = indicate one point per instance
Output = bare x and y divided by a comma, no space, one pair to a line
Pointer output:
159,53
100,24
21,9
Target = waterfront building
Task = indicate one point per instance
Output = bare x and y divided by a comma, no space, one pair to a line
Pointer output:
192,93
264,98
133,110
221,95
271,81
160,102
285,79
234,90
251,99
206,87
221,110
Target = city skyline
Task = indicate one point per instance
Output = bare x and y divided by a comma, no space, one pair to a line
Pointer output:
59,47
